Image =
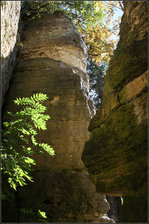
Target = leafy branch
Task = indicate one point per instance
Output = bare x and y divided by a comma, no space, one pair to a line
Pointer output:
19,139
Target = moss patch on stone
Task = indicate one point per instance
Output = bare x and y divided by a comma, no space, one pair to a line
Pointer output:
113,149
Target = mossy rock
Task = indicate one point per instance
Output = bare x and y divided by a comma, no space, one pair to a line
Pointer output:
117,152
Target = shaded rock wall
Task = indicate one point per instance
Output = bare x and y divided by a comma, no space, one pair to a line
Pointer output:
64,196
116,154
10,15
53,61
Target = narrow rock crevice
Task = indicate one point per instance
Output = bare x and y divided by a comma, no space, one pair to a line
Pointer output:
116,153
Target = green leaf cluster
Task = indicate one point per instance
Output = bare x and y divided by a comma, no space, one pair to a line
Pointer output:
42,214
19,139
32,214
83,13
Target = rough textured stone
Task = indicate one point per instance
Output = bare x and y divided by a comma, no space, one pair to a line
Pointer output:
10,14
66,86
64,196
57,39
53,61
116,154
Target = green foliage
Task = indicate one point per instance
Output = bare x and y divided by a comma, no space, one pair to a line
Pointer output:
26,211
18,139
37,9
96,74
32,214
20,45
42,214
83,13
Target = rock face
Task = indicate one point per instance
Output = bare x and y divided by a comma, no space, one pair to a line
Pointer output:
47,64
116,154
64,196
53,61
10,14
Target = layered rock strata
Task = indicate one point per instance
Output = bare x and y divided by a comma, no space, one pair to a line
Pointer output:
116,153
53,61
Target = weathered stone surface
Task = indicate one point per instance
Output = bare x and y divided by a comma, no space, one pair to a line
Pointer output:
53,61
57,39
64,196
10,14
67,130
116,154
66,86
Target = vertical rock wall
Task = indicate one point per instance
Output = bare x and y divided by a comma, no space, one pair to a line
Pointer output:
10,14
53,61
116,154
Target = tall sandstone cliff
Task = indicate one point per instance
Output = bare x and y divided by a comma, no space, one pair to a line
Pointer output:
116,153
53,61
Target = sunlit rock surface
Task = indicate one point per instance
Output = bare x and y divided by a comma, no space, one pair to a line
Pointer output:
53,61
10,14
63,80
116,154
56,39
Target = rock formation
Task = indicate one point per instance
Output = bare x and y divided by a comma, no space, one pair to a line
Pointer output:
10,14
53,61
116,153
